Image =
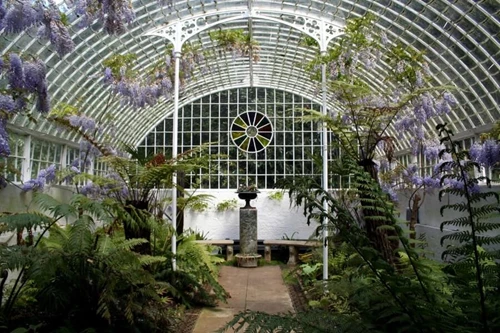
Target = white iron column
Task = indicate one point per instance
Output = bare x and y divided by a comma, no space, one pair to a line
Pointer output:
325,170
175,130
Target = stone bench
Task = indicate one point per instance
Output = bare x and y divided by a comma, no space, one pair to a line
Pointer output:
292,248
228,243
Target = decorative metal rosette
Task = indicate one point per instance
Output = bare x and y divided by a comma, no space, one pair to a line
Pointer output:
252,131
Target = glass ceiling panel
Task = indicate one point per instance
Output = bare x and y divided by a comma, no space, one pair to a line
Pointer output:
460,39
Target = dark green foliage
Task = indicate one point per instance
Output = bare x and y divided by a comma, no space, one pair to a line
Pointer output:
196,274
405,296
474,254
316,321
88,278
80,275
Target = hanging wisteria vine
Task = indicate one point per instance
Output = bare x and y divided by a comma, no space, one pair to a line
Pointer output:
158,82
26,81
18,16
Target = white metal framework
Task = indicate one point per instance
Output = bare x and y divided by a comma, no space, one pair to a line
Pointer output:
460,39
209,119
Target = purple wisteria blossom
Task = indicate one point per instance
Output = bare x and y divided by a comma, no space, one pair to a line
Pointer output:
486,154
34,76
89,189
21,15
108,76
4,138
430,183
148,91
57,33
442,107
431,149
3,11
112,14
418,112
425,69
384,39
383,165
419,80
7,103
83,122
114,187
28,78
15,75
450,99
460,185
446,157
387,188
475,151
403,124
45,176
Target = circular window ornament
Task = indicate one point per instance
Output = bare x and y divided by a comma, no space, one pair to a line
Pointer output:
252,131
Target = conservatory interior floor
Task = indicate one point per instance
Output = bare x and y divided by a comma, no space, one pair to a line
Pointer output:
260,289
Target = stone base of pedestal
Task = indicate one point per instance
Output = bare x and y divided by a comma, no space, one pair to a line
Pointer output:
247,260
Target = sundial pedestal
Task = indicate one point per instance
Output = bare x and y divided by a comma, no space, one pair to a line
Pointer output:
248,256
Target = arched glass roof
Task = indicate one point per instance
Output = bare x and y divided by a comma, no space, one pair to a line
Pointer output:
460,38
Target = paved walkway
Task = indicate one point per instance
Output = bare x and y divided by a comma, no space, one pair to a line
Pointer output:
260,288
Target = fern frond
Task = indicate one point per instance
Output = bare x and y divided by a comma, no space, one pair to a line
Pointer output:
80,239
147,260
463,221
18,221
461,236
58,209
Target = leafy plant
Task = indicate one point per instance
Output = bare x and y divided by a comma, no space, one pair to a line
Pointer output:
310,272
196,274
414,294
225,205
80,275
276,195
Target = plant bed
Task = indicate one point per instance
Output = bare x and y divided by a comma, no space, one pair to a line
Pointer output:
189,320
295,290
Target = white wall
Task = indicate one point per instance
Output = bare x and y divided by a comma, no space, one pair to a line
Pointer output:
13,200
431,219
274,218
